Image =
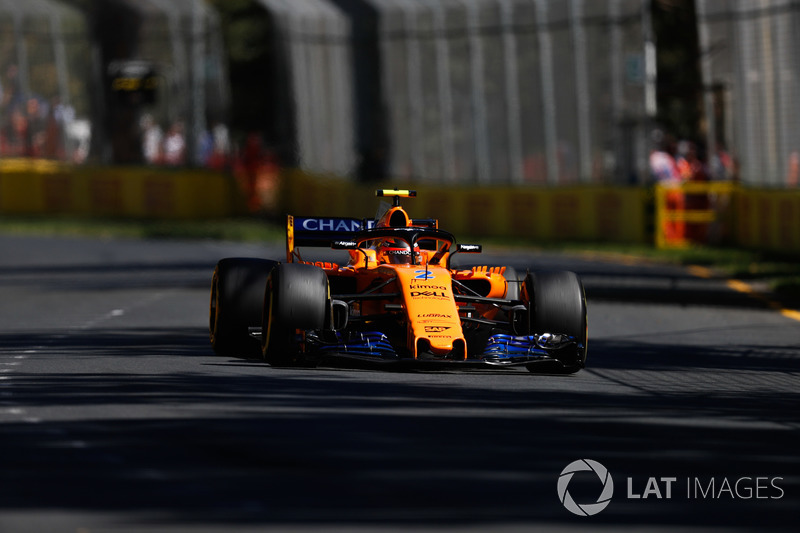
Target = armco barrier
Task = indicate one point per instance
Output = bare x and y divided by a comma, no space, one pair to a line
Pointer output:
581,213
751,218
768,219
45,187
725,213
755,218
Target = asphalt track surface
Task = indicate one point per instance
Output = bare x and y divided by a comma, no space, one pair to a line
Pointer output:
116,416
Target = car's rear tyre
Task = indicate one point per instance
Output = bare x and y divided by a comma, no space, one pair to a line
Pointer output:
295,299
237,294
558,305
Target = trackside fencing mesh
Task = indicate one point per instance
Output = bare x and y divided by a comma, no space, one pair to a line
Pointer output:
112,80
481,91
45,80
752,99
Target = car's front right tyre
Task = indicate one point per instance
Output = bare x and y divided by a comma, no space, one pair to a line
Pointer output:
557,304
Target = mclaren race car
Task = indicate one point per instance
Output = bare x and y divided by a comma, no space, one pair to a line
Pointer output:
396,298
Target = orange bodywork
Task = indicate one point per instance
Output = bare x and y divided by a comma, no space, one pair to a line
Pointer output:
431,311
420,295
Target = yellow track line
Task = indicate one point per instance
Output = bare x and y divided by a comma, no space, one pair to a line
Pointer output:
791,313
707,273
744,288
699,271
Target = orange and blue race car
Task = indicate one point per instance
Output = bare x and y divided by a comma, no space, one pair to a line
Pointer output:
397,299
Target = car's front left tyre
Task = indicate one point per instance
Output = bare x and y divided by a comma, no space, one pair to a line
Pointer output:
295,299
237,292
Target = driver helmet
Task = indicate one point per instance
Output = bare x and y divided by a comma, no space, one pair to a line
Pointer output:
397,252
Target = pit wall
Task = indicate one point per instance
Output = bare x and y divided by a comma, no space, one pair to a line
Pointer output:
30,187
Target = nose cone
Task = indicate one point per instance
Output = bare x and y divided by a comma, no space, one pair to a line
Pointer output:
434,324
443,347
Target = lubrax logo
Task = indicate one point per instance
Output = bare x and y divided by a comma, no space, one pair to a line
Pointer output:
583,502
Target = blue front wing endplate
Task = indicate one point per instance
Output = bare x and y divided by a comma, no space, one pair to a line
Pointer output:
503,349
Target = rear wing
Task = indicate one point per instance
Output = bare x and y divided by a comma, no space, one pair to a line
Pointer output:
320,231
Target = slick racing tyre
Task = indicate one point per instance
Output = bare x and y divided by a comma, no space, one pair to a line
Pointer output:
237,294
296,298
558,305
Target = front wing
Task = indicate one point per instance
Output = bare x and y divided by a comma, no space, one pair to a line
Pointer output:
501,349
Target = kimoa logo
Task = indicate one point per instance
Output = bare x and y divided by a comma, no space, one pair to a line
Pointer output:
588,509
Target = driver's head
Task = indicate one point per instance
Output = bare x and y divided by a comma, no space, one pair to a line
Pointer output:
397,252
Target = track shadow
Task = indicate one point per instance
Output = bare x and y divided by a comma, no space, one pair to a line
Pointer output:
304,447
93,277
640,282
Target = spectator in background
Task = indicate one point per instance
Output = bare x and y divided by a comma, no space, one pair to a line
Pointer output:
793,172
53,145
721,165
664,171
14,126
663,167
175,145
10,95
205,146
213,147
257,171
16,133
80,134
222,147
152,140
690,166
252,157
34,138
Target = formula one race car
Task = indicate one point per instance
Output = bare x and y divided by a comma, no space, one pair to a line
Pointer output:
397,299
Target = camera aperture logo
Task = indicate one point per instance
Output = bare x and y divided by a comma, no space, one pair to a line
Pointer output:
693,489
585,509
